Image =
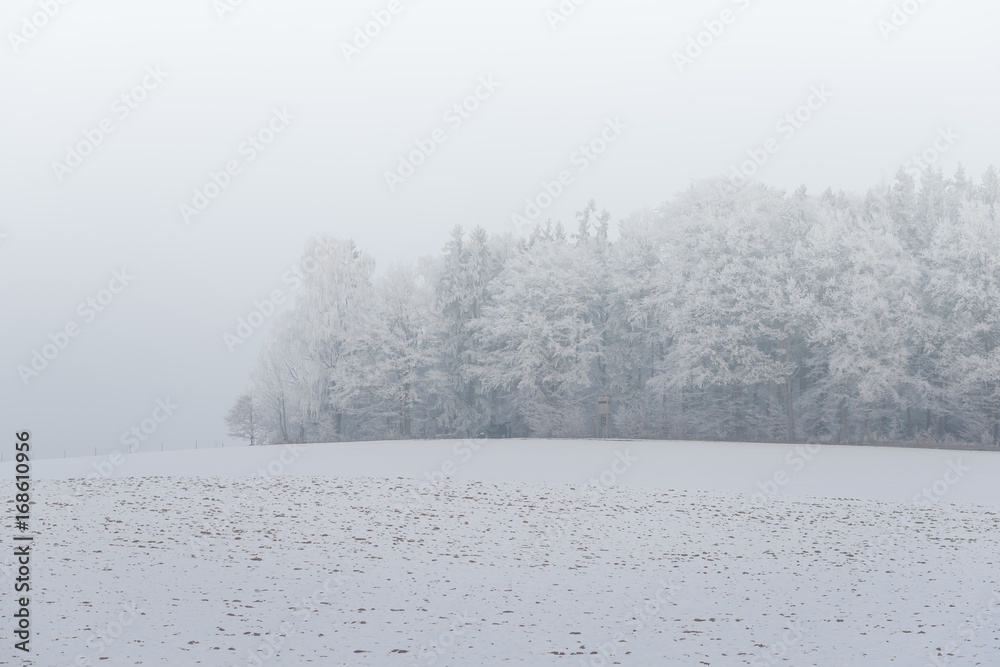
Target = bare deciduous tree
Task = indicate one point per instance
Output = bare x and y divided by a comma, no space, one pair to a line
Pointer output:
243,420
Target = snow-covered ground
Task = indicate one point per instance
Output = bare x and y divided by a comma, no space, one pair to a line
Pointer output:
677,554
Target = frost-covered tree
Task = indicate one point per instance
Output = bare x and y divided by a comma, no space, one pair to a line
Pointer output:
244,421
273,381
868,324
461,294
964,285
731,312
633,346
384,373
331,300
732,308
540,336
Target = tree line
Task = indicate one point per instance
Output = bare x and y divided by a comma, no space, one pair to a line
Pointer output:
733,311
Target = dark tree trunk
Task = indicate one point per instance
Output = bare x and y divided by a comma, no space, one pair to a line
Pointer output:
843,419
406,410
789,404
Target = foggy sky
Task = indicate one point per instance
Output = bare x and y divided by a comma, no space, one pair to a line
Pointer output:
211,81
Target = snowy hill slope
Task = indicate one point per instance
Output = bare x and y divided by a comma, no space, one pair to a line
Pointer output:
358,572
879,473
346,555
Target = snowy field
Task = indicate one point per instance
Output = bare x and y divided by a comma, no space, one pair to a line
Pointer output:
505,552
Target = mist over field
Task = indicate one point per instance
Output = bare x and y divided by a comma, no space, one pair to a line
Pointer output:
288,122
568,332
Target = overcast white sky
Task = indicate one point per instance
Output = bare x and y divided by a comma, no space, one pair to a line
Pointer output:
162,336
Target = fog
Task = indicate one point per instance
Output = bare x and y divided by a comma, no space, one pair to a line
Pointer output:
296,132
